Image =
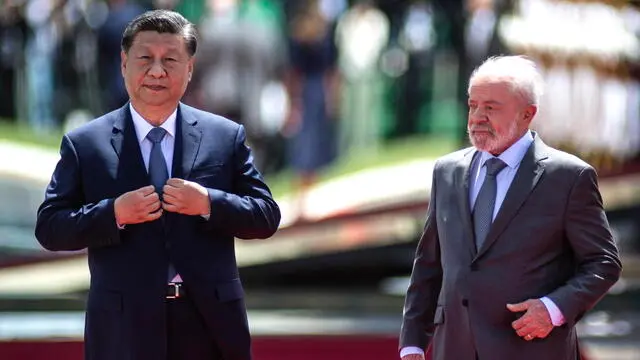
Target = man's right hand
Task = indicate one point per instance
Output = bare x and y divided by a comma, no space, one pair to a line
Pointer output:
138,206
413,357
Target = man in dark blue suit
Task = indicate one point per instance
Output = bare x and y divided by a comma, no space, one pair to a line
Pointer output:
157,191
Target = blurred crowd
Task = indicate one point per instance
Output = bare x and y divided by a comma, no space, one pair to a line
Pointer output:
288,70
312,80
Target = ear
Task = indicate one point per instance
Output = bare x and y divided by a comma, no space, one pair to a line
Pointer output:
529,113
123,62
190,66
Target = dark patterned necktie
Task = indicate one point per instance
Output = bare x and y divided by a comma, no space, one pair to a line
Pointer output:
486,201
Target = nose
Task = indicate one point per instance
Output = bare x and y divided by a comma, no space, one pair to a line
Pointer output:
477,115
156,70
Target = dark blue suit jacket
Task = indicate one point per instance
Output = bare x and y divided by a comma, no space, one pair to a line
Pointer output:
125,308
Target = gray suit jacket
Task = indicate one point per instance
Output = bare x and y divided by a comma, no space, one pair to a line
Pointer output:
550,238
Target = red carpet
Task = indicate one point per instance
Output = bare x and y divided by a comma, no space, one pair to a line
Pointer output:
264,348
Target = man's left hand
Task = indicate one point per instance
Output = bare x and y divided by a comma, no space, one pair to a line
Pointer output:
535,323
185,197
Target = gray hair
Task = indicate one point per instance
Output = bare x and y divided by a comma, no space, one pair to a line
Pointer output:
519,72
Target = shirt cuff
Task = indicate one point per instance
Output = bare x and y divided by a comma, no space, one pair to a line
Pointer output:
206,217
557,319
411,350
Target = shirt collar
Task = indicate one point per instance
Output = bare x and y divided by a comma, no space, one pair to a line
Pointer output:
143,127
514,154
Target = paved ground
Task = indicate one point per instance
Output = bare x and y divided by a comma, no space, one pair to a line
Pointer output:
25,171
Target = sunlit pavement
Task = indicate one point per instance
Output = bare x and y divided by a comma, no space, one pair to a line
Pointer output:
24,172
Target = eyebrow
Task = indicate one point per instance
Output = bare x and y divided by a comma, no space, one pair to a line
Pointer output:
169,50
489,102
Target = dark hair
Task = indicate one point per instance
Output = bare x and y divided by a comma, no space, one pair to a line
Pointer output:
162,21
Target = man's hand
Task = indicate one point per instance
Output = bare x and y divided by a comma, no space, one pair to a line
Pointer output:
137,206
413,357
185,197
535,323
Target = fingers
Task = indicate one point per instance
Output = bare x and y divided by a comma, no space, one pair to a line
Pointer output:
154,215
147,215
523,306
147,190
171,199
172,196
171,207
532,325
413,357
170,190
152,206
150,198
149,207
535,334
176,182
527,330
519,324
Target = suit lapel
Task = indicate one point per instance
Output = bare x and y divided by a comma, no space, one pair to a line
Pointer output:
462,174
527,176
131,170
185,151
188,138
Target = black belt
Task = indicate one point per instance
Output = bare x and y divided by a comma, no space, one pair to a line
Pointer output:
175,290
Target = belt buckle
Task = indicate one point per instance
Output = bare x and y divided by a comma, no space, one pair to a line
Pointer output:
176,289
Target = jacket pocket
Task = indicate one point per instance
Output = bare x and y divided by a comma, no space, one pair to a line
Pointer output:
204,172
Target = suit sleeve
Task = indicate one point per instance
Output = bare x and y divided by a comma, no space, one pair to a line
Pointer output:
249,212
64,220
426,281
598,264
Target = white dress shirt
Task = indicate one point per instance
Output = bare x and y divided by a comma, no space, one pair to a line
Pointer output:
512,157
167,144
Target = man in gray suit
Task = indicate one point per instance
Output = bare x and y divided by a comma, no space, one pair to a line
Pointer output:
516,245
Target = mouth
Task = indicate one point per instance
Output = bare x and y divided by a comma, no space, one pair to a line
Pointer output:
481,131
155,87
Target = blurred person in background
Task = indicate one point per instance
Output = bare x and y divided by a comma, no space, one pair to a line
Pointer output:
362,34
481,36
481,32
41,48
157,191
313,85
241,54
13,30
264,81
418,38
516,247
121,12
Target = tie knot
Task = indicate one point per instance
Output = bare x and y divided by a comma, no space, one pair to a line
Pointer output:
156,134
494,166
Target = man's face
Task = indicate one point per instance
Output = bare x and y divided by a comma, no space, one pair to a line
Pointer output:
156,69
498,117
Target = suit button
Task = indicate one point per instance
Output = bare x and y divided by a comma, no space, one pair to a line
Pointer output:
474,267
465,302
